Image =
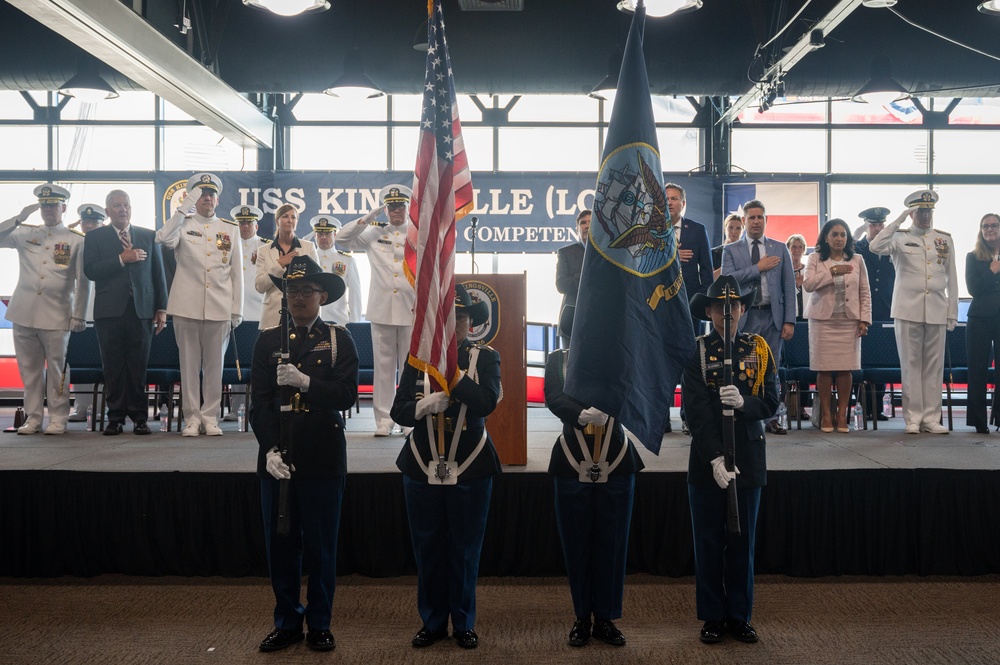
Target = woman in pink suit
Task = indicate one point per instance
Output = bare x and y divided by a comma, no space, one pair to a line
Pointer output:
839,309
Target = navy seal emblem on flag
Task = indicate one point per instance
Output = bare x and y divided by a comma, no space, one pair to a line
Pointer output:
480,292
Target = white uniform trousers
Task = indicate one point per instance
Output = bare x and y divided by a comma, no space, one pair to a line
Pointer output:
921,359
202,347
35,348
391,345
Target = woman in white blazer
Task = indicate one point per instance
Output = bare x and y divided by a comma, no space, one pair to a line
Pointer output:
272,259
839,309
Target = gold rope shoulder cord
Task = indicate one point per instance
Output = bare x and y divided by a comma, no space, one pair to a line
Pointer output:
763,353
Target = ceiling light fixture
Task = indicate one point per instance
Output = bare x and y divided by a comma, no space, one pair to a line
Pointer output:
878,4
881,88
990,7
354,84
88,86
660,8
420,38
289,7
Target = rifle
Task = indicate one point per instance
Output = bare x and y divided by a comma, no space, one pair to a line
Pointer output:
289,399
728,419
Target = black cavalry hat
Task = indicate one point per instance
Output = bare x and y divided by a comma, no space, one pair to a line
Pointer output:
478,310
717,292
304,268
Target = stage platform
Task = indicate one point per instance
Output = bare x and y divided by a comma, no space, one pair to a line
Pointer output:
865,503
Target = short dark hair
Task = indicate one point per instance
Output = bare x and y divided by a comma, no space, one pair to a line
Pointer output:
585,211
753,203
823,247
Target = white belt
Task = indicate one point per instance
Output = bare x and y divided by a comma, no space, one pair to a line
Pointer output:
592,471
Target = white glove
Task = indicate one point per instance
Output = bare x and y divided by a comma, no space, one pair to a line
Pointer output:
903,215
237,320
277,467
722,477
289,375
26,212
951,324
433,403
593,416
187,205
76,325
730,396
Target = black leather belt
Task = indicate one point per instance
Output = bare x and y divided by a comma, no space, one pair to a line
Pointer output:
767,306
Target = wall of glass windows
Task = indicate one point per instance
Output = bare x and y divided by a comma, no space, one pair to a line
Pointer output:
866,155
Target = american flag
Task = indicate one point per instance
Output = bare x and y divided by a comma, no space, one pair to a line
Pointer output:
442,194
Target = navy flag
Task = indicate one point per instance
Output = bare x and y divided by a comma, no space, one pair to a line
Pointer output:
632,332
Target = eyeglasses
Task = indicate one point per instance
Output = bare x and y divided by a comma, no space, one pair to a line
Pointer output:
395,206
304,291
991,227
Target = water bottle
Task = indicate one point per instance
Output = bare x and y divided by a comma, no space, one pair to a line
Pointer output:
782,416
859,417
241,419
887,405
164,415
90,418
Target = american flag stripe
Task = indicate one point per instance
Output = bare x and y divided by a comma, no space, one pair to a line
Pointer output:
442,194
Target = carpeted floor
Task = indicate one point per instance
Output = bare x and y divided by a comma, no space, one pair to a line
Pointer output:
866,621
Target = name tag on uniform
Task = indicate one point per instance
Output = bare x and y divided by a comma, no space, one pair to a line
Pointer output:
714,365
913,244
384,241
195,233
34,242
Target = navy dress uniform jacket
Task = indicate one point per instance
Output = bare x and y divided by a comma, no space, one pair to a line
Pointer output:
320,448
481,399
881,280
704,409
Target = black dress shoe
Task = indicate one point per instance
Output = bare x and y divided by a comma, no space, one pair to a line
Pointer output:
982,429
580,634
426,637
141,428
712,632
667,429
882,417
113,429
320,640
467,639
774,428
741,630
279,639
605,631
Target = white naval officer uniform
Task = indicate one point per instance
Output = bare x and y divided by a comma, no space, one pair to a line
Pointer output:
252,301
267,265
348,308
206,298
390,304
924,307
51,290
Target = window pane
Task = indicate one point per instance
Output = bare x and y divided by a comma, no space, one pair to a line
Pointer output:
680,149
203,149
779,150
543,299
957,151
847,200
338,148
13,107
319,106
879,151
554,108
140,105
171,112
404,147
904,112
140,194
976,111
546,149
670,109
407,107
478,147
106,148
24,148
804,110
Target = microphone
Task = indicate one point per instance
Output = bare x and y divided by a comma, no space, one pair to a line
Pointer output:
474,221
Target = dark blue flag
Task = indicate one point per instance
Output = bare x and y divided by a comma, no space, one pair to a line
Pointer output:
632,332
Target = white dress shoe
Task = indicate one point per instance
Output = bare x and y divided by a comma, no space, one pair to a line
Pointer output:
79,416
407,430
56,428
912,428
933,428
191,429
29,427
212,429
383,430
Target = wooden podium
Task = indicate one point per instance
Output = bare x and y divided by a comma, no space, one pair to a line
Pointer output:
506,332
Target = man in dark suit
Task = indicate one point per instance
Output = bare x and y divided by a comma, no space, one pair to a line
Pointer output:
569,263
695,253
758,262
125,264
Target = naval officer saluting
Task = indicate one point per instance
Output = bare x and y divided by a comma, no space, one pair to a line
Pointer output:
341,264
49,301
206,298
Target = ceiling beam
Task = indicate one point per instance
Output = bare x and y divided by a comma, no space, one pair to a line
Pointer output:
794,55
113,33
